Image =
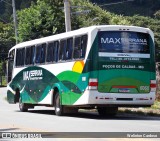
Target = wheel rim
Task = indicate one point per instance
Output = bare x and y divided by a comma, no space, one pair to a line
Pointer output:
57,105
20,104
57,109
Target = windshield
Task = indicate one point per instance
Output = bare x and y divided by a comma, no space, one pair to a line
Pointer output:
123,42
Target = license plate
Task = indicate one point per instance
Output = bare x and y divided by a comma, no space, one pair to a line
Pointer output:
124,90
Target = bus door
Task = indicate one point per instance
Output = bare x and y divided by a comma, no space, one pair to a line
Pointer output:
124,62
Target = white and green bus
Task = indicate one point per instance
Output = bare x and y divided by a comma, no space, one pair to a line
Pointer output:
103,67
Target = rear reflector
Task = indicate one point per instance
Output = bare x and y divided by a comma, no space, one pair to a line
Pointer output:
142,99
93,83
124,87
153,85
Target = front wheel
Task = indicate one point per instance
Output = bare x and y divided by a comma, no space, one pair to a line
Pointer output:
22,106
58,106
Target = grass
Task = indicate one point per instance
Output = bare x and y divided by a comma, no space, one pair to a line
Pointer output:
156,105
3,82
154,110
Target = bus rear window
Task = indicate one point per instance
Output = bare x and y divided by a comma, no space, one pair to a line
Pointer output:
123,42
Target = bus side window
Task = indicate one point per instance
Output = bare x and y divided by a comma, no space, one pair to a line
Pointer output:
27,59
77,48
40,53
20,57
56,50
33,52
30,55
62,50
43,53
84,40
50,52
69,49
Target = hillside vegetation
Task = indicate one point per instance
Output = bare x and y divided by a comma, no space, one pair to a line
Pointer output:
130,8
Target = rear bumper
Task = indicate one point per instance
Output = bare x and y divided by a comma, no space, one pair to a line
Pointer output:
95,98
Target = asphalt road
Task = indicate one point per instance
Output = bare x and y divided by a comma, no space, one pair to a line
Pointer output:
42,119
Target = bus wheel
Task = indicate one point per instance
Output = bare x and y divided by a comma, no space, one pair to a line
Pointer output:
22,106
107,111
58,106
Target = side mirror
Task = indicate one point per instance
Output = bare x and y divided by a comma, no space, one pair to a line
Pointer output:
9,59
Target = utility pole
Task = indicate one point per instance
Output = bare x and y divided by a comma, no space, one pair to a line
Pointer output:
15,20
67,15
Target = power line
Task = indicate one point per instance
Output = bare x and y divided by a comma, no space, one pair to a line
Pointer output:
114,3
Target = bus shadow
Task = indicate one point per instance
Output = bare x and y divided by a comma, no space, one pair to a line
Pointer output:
119,116
94,115
45,112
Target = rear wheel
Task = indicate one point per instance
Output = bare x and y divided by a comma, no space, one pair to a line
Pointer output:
107,111
58,106
22,106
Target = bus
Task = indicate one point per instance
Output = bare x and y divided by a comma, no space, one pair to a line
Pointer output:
102,67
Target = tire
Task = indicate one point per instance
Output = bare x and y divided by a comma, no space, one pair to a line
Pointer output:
16,97
102,111
22,106
107,111
70,110
58,106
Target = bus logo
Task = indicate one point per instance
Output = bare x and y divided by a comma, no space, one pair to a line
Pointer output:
123,40
33,75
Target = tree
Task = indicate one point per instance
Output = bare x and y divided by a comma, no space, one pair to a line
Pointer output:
7,39
6,10
157,15
97,15
42,19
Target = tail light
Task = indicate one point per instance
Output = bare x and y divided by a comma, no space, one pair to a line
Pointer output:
153,85
93,83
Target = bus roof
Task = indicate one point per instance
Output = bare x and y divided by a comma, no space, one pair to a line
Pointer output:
80,31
